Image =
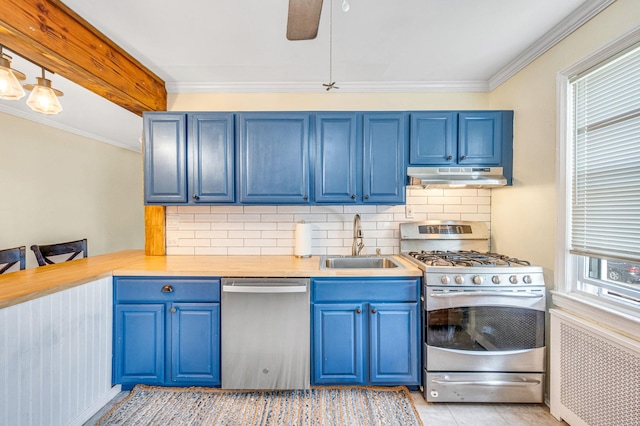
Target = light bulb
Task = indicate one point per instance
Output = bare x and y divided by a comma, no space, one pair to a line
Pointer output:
43,97
345,6
10,87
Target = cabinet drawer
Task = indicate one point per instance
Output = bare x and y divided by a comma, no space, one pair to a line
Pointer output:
369,289
136,289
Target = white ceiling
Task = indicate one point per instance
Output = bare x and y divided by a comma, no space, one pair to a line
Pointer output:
241,46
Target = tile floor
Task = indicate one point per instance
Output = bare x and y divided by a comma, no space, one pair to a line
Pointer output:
458,414
444,414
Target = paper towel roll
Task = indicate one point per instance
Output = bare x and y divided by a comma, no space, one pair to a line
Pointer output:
302,246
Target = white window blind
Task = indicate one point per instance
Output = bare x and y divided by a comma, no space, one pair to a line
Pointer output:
605,208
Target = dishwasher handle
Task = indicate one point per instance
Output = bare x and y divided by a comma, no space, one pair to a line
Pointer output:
264,289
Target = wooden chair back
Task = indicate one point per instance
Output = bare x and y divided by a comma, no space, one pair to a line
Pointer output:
44,253
12,256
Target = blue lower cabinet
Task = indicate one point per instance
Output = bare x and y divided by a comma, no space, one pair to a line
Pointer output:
139,344
195,343
365,331
393,335
166,331
339,349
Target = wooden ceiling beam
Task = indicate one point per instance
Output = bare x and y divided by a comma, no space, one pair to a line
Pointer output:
51,35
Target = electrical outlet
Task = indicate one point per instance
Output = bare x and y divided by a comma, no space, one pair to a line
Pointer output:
172,221
408,211
172,242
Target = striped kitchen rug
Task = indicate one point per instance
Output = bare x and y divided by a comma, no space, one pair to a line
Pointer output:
319,406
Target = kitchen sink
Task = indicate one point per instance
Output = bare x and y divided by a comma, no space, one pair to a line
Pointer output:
358,262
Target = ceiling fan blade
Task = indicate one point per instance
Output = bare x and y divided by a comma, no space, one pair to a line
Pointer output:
304,18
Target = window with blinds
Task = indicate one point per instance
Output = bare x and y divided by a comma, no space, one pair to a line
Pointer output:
605,176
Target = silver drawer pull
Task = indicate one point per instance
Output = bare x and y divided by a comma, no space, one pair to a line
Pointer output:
264,289
486,293
167,289
487,382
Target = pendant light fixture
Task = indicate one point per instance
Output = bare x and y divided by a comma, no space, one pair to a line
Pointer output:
43,97
10,87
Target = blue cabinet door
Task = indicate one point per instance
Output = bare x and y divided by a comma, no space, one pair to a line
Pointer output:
165,147
336,158
195,343
480,138
383,167
394,337
338,343
274,158
211,139
139,343
434,136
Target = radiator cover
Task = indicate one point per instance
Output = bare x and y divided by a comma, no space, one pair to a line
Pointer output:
595,373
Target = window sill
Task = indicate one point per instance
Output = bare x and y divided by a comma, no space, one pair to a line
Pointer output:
596,310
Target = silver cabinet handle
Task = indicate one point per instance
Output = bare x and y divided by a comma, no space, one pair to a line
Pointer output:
487,383
167,289
485,293
264,289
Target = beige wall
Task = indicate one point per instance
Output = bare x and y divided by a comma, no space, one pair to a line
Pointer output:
57,186
524,218
325,101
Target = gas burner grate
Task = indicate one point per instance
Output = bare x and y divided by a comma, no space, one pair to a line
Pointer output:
465,258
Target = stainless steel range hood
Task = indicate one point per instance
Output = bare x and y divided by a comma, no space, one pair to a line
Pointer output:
456,177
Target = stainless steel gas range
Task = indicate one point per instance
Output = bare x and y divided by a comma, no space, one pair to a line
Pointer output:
483,315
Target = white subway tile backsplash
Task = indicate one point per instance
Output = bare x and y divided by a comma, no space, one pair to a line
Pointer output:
280,217
194,209
460,208
261,209
240,217
211,234
270,230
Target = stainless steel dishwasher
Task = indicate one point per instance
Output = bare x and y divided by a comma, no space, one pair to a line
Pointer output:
265,333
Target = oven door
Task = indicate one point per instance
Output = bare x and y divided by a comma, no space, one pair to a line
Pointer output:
495,329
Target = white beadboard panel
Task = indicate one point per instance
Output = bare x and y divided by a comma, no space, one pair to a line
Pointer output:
55,356
270,230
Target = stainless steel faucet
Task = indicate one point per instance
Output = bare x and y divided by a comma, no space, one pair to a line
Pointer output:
357,247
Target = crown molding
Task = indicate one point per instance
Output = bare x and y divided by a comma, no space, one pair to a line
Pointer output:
42,119
344,87
575,20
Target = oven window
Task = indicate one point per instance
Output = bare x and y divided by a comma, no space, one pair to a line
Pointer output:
485,328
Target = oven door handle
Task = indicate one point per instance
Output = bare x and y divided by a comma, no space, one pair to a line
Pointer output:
486,293
525,382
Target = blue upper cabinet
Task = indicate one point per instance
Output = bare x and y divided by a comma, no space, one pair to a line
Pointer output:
165,153
466,138
336,158
274,158
211,143
189,158
433,137
383,165
359,158
480,138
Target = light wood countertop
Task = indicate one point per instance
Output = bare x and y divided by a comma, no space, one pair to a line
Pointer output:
19,287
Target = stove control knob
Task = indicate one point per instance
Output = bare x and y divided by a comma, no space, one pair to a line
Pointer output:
477,279
513,279
459,279
445,279
495,279
526,279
